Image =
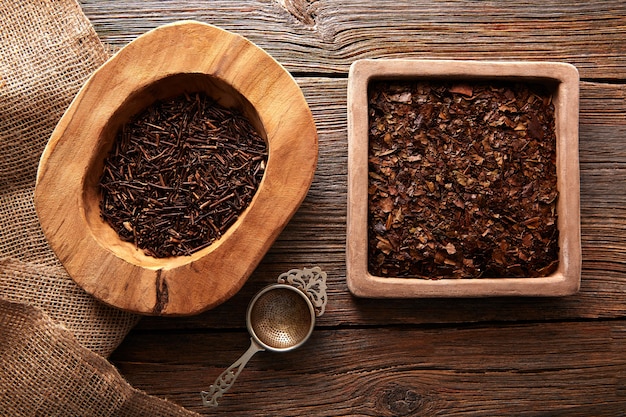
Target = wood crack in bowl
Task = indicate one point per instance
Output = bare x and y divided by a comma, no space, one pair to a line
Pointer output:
181,58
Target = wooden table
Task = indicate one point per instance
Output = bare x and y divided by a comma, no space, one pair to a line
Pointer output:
492,357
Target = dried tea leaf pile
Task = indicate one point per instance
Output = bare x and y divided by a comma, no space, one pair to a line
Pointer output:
179,175
462,180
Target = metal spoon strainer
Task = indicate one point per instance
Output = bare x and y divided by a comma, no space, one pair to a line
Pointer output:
280,318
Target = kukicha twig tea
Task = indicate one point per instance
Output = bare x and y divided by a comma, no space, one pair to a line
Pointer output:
179,175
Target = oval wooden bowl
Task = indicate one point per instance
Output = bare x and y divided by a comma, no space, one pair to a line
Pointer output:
163,63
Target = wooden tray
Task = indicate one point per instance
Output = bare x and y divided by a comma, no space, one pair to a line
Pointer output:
563,78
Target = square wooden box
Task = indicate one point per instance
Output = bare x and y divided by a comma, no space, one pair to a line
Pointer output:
563,80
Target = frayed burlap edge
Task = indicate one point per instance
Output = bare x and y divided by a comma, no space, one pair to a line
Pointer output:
44,371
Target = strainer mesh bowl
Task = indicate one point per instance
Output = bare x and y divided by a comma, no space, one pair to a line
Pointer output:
281,318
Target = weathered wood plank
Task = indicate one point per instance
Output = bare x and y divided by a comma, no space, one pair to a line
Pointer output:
522,370
327,35
500,356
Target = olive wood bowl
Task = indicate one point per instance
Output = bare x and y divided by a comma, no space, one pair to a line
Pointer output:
563,80
178,58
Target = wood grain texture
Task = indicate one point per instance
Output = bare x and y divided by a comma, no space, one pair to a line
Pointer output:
495,356
328,35
523,369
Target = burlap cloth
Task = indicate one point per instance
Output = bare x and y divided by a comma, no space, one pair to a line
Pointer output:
53,336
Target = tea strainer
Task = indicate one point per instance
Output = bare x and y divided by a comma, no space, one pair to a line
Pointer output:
280,318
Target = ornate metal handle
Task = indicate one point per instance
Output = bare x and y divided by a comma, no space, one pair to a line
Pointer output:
312,281
227,378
